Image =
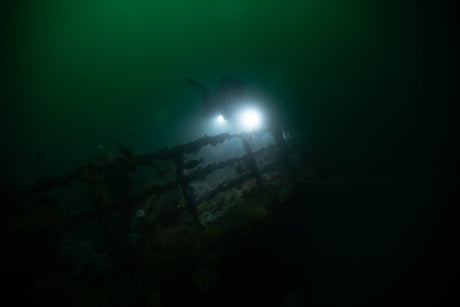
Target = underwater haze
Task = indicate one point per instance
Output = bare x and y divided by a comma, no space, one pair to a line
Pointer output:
371,83
368,88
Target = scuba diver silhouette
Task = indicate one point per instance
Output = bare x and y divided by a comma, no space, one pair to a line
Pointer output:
228,97
223,99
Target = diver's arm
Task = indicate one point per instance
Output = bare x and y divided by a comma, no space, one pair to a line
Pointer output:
204,93
195,84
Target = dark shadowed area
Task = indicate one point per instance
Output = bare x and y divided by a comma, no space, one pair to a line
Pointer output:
331,176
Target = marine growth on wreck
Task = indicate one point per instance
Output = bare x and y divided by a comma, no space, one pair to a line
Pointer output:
144,216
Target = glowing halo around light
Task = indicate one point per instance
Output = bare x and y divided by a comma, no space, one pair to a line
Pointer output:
220,119
250,119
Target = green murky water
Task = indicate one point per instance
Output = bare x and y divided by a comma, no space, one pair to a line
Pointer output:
370,88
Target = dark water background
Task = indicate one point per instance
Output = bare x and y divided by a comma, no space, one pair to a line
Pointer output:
371,86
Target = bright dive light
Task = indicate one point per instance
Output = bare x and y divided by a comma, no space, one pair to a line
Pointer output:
220,119
250,119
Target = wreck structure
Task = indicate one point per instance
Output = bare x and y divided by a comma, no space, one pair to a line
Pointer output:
158,210
134,181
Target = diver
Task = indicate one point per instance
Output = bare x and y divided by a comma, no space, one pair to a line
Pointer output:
223,99
230,95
